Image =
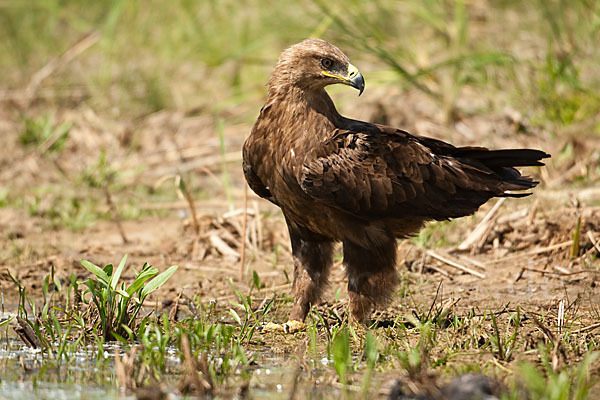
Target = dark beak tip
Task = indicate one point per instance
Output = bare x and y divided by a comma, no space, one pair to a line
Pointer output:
358,82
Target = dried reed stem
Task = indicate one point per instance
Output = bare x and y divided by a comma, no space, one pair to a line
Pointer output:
244,233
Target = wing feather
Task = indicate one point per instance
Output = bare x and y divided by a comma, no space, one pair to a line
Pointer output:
390,173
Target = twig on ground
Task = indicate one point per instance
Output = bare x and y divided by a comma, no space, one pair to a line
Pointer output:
175,309
180,184
114,213
196,380
87,41
27,334
562,270
436,269
471,260
244,233
455,264
512,217
532,252
587,328
239,211
222,247
209,269
543,271
482,229
595,243
545,330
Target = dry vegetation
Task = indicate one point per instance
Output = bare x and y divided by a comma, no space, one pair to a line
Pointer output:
121,127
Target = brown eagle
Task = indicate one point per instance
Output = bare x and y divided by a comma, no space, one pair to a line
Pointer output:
338,179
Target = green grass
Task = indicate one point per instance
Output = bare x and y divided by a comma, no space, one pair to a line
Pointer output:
44,134
225,344
213,59
118,305
214,56
152,55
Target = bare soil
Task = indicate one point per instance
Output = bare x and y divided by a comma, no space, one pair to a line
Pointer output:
531,253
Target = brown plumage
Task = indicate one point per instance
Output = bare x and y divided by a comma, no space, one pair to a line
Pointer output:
338,179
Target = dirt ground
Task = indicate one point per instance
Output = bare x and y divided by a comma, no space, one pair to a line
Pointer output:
112,189
524,260
514,252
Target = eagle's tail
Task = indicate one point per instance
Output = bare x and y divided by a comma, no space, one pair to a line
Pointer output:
502,163
503,158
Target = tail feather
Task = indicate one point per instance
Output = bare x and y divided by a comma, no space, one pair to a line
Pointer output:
493,170
503,158
503,163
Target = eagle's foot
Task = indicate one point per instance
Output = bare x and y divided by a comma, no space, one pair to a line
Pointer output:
291,326
360,308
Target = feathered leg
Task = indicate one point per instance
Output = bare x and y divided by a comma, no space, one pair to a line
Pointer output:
312,260
372,277
313,255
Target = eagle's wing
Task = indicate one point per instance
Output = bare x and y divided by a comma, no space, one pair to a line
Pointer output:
390,173
254,181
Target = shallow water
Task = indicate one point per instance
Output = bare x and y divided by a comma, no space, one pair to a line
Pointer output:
28,374
26,390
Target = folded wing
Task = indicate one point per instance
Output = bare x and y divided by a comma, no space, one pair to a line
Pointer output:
390,173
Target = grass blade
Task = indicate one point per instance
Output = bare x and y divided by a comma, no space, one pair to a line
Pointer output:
158,281
6,321
114,280
141,279
96,270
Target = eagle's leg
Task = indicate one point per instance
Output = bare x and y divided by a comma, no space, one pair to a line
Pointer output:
372,276
312,260
313,255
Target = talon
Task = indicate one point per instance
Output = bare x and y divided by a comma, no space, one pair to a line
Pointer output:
271,327
292,326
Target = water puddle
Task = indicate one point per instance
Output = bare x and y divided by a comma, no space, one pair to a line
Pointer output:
29,374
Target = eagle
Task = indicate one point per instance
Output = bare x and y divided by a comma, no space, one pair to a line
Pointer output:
365,185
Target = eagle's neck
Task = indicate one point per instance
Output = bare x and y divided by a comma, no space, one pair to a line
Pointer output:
307,111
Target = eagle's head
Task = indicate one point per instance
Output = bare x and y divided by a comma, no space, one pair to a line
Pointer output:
313,64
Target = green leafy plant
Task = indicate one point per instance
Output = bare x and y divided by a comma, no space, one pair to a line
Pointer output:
503,346
99,174
342,354
371,356
118,305
566,384
44,134
416,360
250,318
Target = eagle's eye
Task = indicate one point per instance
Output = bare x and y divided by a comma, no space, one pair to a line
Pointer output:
326,63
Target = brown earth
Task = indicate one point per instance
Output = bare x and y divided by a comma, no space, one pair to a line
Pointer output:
523,255
528,254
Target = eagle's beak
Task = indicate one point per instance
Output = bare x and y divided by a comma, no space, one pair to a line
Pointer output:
354,78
